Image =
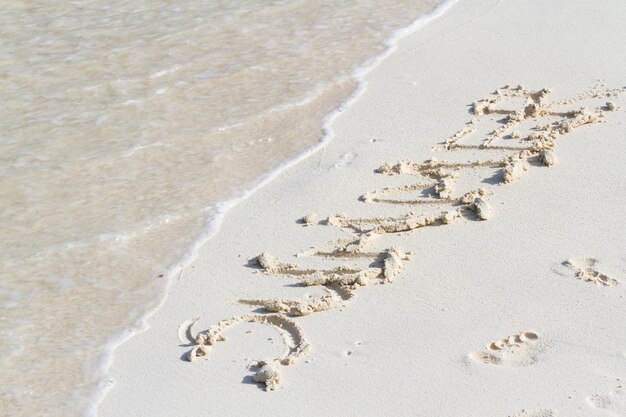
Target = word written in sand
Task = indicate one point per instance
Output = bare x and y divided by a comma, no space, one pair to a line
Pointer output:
528,128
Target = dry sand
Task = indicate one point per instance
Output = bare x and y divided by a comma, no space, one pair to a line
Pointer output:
456,250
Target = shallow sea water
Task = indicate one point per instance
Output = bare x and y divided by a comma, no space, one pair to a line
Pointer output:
125,128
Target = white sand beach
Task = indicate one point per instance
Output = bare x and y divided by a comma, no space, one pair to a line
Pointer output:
467,255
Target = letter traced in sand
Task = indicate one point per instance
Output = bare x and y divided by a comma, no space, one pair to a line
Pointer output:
293,338
341,280
586,270
525,138
295,307
514,351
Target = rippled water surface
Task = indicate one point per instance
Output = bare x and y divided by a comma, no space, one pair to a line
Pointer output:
123,124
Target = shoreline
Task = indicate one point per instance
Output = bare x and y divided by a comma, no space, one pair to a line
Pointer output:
345,163
115,162
223,207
